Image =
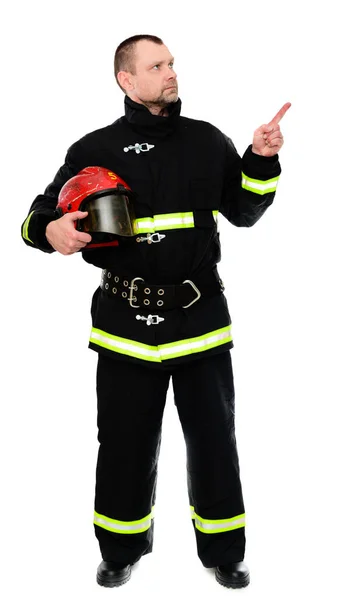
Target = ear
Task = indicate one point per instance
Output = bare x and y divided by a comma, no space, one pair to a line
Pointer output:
126,80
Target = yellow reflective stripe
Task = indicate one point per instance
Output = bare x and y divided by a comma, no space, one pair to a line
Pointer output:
258,186
123,345
182,216
163,222
197,344
164,351
123,526
144,225
168,221
217,525
25,230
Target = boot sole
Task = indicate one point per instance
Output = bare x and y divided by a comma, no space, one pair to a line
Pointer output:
232,584
107,582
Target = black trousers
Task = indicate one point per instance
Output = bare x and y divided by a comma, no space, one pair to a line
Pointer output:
131,400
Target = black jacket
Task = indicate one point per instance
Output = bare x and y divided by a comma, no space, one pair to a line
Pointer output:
175,165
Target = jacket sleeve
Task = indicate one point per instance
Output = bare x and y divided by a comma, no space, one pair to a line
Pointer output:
249,185
43,208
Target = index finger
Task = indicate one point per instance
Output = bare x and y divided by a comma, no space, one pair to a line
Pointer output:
83,237
281,113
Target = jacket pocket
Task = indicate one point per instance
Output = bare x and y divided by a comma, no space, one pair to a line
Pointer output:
205,201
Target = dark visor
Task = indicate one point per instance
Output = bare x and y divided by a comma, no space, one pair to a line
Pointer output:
108,214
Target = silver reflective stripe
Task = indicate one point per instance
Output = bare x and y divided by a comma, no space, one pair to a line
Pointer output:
123,526
258,186
217,525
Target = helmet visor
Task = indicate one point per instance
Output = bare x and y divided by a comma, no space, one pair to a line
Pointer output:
108,214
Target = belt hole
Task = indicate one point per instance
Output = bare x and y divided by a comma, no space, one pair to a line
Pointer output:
106,286
160,302
109,275
160,292
124,294
146,301
126,283
116,279
147,290
114,290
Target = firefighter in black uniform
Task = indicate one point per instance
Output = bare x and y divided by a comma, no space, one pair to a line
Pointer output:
160,311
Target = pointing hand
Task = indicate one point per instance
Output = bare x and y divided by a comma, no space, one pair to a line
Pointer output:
268,139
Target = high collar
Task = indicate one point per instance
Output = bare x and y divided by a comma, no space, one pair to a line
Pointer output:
144,122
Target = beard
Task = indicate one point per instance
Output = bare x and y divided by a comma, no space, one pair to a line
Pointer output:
166,97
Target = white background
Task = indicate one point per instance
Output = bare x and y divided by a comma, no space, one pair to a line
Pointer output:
237,64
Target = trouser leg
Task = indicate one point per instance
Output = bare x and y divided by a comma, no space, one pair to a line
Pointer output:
131,400
205,400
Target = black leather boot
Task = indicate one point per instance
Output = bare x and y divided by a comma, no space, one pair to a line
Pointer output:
111,574
233,575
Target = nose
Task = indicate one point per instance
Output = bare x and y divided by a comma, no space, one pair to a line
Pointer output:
171,75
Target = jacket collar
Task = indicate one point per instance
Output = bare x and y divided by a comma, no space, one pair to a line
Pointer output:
143,122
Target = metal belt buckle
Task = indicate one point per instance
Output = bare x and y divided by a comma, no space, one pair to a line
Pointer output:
132,289
198,294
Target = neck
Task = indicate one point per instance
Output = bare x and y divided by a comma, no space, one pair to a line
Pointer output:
159,110
147,119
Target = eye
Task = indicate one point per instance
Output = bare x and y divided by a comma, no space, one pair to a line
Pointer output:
156,66
171,64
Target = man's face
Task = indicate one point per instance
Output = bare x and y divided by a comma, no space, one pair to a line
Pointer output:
155,80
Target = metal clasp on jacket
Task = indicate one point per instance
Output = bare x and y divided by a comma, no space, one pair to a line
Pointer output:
144,147
150,319
198,294
151,238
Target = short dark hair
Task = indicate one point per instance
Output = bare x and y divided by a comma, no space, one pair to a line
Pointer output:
125,54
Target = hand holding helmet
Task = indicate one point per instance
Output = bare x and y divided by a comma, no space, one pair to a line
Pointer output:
63,236
96,211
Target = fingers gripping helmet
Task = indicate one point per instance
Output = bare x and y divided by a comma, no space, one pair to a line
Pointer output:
107,199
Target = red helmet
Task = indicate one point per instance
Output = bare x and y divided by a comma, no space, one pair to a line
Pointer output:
108,201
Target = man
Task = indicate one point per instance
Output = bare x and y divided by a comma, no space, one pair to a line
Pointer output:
177,324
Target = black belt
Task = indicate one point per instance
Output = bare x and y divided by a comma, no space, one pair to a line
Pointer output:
141,294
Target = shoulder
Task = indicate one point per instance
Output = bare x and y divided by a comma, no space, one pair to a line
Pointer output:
102,133
204,128
95,139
